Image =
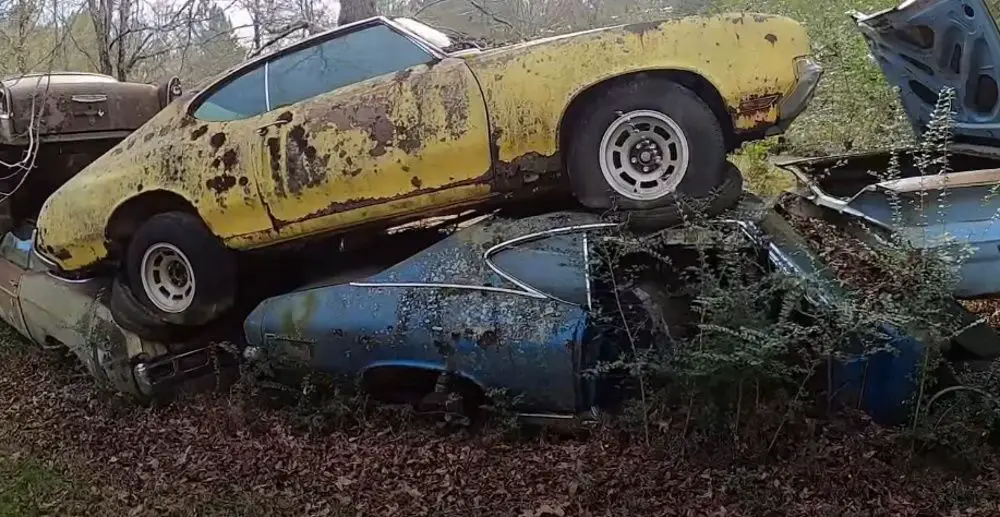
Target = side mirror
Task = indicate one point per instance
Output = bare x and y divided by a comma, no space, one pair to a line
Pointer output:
169,91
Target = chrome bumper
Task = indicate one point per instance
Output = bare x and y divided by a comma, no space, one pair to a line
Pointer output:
807,73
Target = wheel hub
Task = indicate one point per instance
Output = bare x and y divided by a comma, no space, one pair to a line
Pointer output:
644,155
167,278
647,156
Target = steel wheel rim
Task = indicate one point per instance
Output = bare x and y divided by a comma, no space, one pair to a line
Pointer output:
644,155
167,278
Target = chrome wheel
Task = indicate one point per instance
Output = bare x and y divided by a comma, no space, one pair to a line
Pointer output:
167,278
644,155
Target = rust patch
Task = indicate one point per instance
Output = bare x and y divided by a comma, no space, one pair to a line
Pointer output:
353,204
274,151
138,188
523,170
200,132
761,18
488,339
751,105
642,28
186,120
229,159
305,168
415,181
221,183
285,117
771,38
403,75
216,163
60,253
218,140
243,181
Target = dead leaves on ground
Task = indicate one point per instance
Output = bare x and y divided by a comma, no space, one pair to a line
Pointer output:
199,458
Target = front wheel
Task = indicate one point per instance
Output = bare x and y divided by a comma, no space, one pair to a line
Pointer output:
180,271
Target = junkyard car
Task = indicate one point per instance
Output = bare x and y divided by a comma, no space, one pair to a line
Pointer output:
53,125
922,47
376,123
516,305
73,318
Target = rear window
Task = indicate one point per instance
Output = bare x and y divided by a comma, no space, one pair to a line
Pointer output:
553,265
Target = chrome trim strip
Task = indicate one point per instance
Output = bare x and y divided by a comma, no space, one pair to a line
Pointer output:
449,286
87,98
69,280
586,269
267,86
530,237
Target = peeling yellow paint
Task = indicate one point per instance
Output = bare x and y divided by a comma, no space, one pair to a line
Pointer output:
415,142
529,87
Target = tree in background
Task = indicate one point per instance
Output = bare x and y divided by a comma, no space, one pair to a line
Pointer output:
354,10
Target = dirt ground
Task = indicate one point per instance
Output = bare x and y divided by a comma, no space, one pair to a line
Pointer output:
66,449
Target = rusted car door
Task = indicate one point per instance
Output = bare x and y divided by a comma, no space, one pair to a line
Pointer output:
14,257
370,124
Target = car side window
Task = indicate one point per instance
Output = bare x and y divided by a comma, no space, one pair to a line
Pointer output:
242,98
553,265
324,67
16,250
354,57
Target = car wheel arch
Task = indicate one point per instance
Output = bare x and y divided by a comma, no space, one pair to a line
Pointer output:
705,89
392,374
129,214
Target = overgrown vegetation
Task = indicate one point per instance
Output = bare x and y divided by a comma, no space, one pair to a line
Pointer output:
752,370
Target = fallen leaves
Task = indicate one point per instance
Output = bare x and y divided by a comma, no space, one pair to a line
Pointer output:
190,458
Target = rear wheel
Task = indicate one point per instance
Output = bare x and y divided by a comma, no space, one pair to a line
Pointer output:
645,143
178,270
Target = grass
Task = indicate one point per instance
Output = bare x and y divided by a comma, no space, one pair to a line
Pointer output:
29,487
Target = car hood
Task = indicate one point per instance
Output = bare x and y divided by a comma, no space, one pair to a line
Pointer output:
924,46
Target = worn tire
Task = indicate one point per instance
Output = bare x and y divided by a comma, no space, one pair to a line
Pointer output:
699,127
212,267
134,317
685,208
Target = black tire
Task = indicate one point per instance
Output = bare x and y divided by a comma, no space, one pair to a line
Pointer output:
698,124
687,208
135,317
212,266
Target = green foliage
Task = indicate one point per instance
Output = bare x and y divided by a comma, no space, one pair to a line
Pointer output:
28,487
854,108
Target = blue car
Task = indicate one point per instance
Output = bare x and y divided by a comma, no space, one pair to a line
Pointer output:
511,305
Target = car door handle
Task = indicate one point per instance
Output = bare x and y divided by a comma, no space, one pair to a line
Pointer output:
277,123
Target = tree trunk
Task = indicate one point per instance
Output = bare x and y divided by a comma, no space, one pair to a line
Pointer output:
354,10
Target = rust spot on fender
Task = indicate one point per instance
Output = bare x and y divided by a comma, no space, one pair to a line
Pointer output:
415,181
221,183
198,133
60,253
771,38
218,140
229,159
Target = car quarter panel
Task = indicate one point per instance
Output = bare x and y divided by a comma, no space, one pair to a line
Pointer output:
211,165
528,87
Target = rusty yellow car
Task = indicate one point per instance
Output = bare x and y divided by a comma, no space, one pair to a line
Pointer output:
382,121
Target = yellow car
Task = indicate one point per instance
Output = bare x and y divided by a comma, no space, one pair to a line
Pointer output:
377,122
